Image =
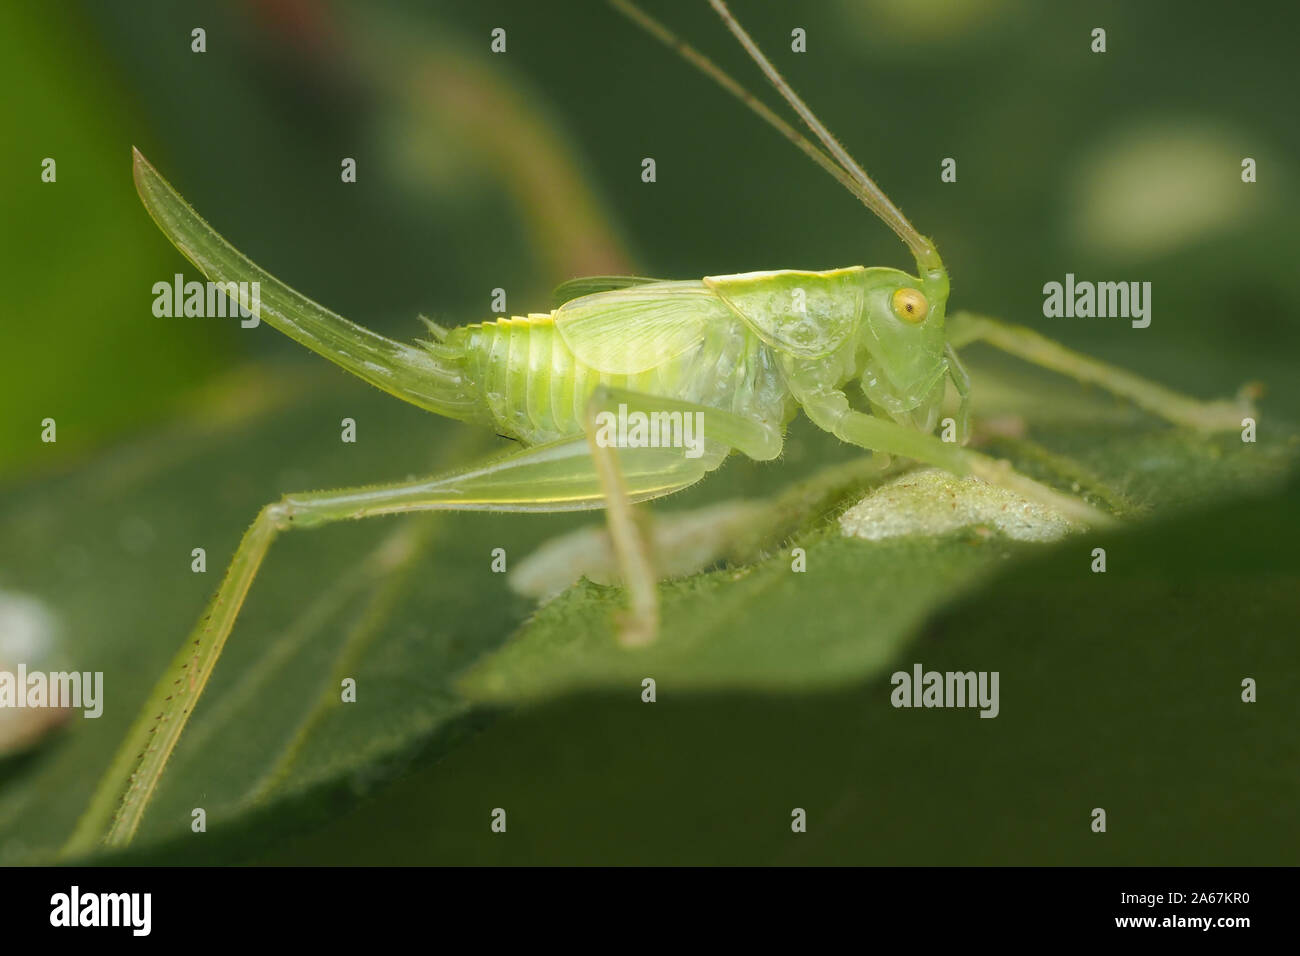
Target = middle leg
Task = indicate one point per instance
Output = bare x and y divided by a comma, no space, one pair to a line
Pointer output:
704,436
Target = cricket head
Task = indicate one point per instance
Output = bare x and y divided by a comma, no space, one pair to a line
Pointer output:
901,344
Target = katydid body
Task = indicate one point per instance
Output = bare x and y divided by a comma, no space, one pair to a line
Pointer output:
863,352
755,345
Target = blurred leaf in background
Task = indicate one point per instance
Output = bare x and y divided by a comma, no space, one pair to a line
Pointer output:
80,344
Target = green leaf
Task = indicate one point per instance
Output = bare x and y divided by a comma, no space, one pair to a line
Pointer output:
1120,690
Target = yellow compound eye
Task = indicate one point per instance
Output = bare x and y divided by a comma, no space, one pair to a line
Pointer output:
911,305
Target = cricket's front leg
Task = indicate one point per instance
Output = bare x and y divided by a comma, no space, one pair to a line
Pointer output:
829,409
966,327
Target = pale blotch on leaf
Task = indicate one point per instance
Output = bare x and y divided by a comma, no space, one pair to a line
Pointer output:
933,502
685,542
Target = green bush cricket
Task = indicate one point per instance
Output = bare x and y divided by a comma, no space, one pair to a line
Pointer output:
741,354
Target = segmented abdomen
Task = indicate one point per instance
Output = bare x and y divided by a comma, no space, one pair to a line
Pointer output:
537,390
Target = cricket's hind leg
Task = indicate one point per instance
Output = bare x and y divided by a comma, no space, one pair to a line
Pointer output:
965,327
558,476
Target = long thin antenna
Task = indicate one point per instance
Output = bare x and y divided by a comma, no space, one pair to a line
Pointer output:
723,79
880,204
842,167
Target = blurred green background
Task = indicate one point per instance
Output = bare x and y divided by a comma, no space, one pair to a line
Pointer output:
478,171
